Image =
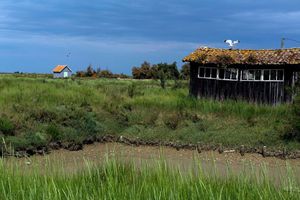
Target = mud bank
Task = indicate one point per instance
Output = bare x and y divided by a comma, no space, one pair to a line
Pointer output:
199,147
210,162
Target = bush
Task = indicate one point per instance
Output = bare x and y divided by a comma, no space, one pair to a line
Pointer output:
172,121
43,114
37,139
293,129
131,90
71,134
53,131
177,84
90,126
33,139
201,126
162,79
6,126
16,143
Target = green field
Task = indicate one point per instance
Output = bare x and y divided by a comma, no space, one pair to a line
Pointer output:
36,111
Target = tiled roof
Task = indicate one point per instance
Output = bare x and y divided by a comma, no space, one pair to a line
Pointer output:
59,68
238,56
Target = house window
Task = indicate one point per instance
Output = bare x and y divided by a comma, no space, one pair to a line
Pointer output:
263,75
215,73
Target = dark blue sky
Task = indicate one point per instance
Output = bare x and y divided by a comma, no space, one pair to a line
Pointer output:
36,35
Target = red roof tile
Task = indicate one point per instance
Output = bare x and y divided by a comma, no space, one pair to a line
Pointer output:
59,68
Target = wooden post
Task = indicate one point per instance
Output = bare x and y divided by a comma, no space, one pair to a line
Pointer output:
199,148
264,151
242,150
284,153
221,150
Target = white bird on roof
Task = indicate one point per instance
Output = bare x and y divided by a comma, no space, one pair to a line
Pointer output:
231,43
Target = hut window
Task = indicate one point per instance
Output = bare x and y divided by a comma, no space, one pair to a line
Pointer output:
250,75
257,75
221,73
228,74
214,73
273,74
266,75
207,72
201,72
280,75
263,75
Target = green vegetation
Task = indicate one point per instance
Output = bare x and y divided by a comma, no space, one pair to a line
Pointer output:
98,73
157,71
293,130
114,180
36,111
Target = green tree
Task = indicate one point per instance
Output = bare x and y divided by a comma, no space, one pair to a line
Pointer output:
142,72
145,70
185,71
98,70
162,79
90,71
154,72
170,70
106,74
136,73
148,71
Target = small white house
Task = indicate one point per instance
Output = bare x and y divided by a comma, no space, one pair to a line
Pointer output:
62,71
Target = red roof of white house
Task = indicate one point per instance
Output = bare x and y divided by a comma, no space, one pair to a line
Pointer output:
59,68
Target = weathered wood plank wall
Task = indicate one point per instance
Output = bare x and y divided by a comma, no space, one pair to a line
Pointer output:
252,91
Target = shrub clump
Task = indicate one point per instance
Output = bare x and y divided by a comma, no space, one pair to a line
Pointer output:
28,140
172,121
293,129
53,131
90,125
6,126
37,139
132,90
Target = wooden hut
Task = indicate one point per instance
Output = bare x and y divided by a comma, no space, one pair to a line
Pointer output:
62,71
260,76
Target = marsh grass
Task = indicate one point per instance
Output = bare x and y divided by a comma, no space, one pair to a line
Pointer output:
119,180
76,108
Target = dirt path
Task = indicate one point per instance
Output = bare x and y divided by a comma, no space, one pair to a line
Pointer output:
71,162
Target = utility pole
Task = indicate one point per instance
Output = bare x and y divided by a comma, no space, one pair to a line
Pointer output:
282,43
284,39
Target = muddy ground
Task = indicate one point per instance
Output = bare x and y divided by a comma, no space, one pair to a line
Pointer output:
212,162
